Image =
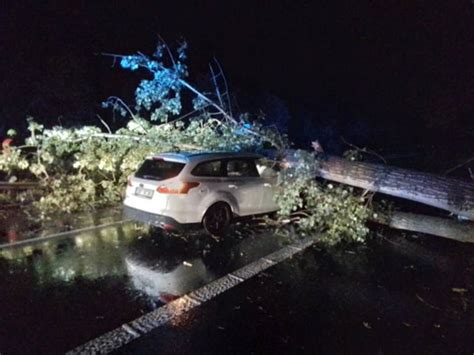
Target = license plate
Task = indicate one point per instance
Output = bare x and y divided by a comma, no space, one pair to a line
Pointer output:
140,191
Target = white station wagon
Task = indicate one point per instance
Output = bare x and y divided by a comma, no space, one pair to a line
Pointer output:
171,190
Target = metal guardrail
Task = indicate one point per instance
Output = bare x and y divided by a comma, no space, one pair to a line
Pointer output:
70,233
18,185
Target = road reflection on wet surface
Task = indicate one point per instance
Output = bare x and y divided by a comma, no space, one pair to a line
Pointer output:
395,295
62,292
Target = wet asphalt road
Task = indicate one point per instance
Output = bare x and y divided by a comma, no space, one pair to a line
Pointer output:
401,296
58,294
395,295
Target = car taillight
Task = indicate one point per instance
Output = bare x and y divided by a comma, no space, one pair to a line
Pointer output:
129,181
177,187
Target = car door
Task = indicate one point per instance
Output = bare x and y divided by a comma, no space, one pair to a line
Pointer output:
213,184
269,177
245,184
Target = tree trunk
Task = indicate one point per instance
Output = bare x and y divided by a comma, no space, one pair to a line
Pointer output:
448,194
441,227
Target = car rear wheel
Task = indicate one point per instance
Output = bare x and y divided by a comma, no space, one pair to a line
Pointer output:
217,219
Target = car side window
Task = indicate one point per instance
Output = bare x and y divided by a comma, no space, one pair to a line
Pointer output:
267,168
208,168
241,168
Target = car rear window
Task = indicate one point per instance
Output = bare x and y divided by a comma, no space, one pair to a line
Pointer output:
154,169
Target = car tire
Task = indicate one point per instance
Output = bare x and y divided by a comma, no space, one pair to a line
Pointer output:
217,219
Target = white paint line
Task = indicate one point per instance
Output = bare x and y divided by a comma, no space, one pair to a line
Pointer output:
236,277
130,330
196,298
193,299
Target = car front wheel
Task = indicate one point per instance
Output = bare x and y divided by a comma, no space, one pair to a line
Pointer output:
217,219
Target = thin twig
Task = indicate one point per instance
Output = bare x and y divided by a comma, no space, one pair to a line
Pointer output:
459,166
206,99
216,86
302,213
364,150
123,104
426,303
105,124
229,106
25,146
167,49
127,108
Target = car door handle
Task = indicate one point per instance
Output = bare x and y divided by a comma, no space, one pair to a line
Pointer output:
232,186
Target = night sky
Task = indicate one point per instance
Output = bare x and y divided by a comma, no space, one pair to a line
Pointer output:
396,76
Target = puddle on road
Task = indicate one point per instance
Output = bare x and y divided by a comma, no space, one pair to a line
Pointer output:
60,293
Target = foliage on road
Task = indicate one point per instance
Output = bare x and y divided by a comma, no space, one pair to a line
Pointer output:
337,211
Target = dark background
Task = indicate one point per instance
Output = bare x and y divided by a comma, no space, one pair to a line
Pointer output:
395,76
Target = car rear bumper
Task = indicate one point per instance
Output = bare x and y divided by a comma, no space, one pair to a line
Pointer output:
157,220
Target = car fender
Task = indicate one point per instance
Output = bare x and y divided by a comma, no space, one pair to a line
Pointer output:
221,196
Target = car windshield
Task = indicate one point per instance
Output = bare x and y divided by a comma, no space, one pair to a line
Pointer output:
157,169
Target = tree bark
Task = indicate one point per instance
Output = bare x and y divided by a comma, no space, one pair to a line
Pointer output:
441,227
448,194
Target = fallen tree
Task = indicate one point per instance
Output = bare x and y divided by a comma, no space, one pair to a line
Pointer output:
448,194
452,195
